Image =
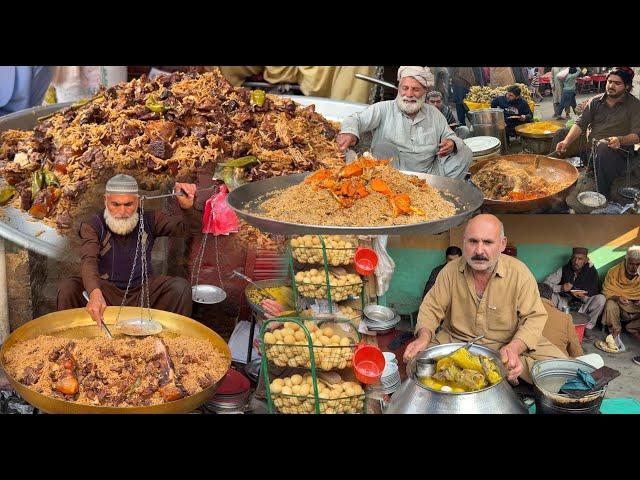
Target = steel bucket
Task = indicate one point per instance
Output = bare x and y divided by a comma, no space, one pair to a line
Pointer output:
549,375
414,397
490,122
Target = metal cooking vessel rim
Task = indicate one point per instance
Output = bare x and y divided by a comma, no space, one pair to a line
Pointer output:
412,370
537,365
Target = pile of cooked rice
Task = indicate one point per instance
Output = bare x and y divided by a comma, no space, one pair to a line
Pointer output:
306,204
159,130
123,372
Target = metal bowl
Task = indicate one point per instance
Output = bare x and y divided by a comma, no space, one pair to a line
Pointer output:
414,397
592,200
207,294
551,169
77,323
379,314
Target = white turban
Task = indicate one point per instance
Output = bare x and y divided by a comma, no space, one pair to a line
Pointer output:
421,74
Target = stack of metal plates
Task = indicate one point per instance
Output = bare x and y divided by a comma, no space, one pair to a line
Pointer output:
378,318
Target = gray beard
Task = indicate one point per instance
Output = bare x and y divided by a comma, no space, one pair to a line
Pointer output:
121,226
410,107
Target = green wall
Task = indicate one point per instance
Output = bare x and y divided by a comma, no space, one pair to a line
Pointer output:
414,265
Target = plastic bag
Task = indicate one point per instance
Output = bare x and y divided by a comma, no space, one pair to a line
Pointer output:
621,346
562,74
386,265
218,217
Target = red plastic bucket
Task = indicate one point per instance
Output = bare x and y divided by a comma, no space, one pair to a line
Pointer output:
366,260
368,363
580,331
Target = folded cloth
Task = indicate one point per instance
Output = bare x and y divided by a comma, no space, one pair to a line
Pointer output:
583,381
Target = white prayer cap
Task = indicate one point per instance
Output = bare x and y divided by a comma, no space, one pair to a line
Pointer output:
121,183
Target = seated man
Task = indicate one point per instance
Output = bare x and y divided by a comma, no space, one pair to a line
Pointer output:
570,282
622,289
559,328
487,293
415,133
108,249
516,109
460,129
610,126
450,254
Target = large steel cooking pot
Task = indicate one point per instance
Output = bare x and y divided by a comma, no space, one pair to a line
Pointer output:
489,122
550,169
77,323
414,397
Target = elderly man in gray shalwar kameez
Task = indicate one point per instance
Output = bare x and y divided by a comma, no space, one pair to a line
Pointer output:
411,129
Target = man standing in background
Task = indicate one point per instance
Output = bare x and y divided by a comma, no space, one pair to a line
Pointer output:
463,79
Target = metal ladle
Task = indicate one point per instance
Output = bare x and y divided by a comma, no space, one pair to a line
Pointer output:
466,345
426,367
236,273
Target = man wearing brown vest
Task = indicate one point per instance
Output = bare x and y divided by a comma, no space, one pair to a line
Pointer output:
108,249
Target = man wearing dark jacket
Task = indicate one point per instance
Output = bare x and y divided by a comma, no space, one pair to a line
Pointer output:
576,283
451,254
516,109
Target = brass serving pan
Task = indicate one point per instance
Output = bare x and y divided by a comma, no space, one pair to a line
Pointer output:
77,323
551,169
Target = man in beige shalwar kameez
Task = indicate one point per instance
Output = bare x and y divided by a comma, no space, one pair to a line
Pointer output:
485,292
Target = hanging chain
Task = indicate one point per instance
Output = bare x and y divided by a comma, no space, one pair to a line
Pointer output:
140,247
200,256
628,154
218,263
592,160
144,282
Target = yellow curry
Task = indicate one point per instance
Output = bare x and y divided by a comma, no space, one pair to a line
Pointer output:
463,372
